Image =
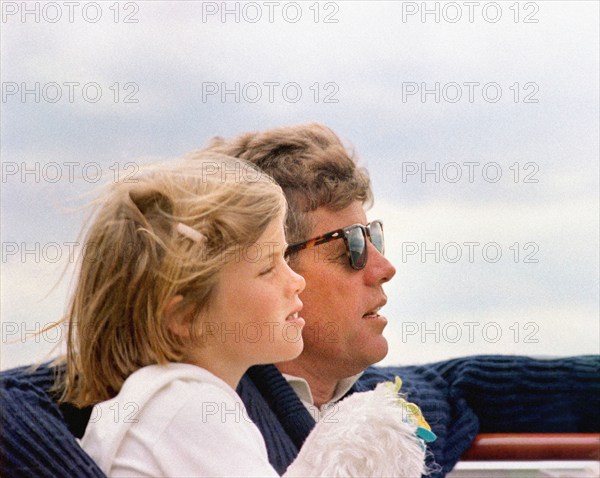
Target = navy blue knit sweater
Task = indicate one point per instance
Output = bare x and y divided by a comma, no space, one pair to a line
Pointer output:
459,399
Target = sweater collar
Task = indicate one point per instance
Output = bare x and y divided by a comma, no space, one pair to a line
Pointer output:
283,401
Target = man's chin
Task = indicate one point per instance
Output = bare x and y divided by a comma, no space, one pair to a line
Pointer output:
382,355
377,351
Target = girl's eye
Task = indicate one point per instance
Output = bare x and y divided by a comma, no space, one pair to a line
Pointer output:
266,271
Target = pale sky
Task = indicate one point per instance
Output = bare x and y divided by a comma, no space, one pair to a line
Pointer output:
480,131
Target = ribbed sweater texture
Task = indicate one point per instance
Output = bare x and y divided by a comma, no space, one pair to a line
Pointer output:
459,398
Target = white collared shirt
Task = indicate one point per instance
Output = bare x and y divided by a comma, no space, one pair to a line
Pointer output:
302,389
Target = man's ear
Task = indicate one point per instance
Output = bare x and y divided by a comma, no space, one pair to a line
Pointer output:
178,321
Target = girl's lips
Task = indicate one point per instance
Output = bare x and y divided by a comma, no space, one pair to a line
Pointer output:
295,318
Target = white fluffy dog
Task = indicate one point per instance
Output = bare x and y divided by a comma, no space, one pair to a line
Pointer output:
366,434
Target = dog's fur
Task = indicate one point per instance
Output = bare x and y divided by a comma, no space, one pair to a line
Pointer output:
366,434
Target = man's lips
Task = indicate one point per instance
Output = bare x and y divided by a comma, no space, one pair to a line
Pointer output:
375,321
370,316
374,312
373,316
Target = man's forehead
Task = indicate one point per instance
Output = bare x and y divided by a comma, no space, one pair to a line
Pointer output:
325,219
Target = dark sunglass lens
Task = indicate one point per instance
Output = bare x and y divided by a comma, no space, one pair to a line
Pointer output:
377,235
356,245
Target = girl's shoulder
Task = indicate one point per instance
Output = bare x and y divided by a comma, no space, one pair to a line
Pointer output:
158,405
154,379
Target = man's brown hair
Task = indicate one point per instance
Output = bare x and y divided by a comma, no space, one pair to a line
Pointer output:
311,165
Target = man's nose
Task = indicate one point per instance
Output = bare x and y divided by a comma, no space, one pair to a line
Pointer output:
378,268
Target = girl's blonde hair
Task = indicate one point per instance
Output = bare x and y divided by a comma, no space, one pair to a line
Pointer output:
168,233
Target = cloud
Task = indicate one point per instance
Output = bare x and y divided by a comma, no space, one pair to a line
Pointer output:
434,284
368,56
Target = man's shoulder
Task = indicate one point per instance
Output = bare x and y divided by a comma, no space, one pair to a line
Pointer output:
490,374
30,412
414,377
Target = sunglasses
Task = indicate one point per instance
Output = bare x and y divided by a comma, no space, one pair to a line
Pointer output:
355,240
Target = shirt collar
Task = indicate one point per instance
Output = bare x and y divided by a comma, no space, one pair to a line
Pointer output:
300,386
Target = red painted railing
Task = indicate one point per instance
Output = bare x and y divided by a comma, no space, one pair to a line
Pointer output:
534,446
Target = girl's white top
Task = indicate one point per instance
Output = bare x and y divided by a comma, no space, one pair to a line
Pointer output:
176,420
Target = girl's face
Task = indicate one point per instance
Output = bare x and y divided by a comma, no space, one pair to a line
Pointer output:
253,316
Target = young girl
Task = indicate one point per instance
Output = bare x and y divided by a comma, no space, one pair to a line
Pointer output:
183,287
186,288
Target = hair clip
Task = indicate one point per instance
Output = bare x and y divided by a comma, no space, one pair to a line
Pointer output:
190,233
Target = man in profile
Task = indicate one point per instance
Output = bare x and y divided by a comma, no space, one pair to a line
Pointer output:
341,256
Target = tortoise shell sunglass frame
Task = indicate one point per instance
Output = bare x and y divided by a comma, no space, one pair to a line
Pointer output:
355,240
